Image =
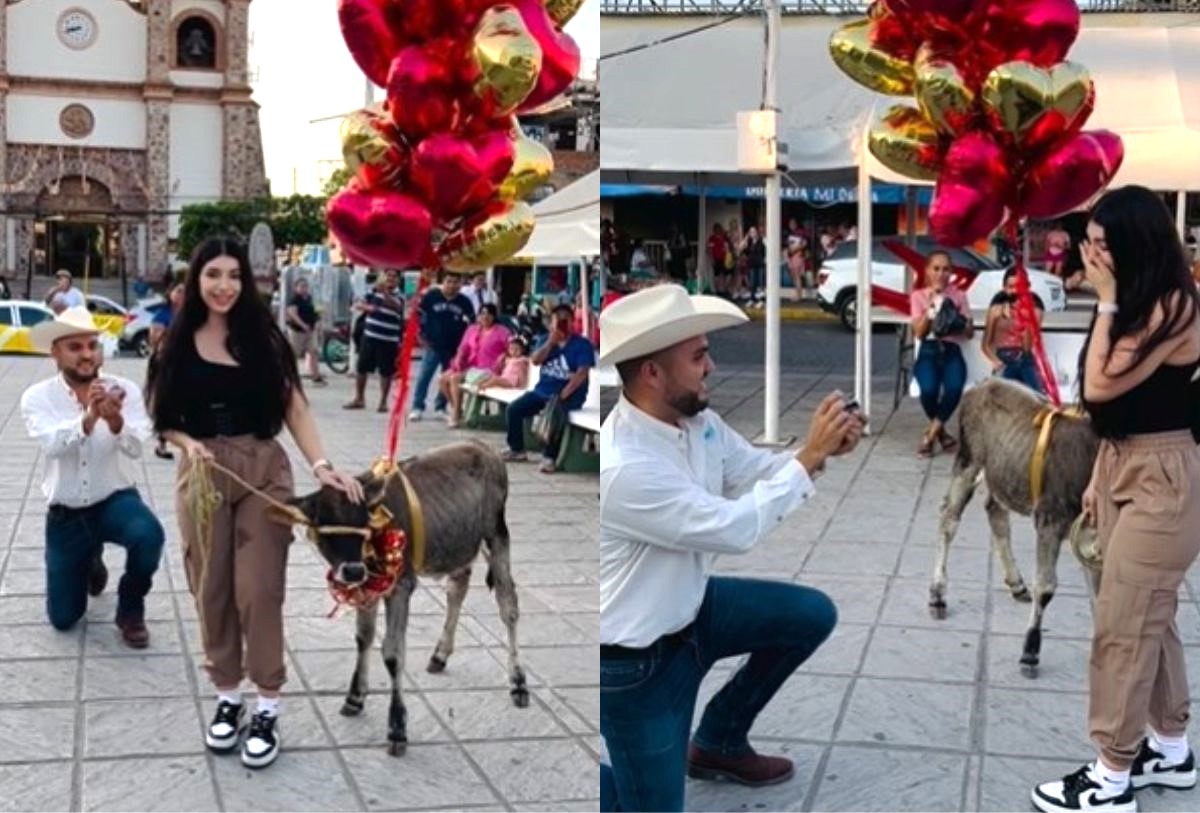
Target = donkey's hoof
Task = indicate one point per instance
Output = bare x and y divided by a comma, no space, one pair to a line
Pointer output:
351,708
397,749
436,665
520,697
1021,594
1029,667
937,609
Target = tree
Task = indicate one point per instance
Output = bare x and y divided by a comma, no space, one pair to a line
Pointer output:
298,220
294,220
340,177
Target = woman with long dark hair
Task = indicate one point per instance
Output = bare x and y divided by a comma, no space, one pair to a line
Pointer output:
1136,382
221,387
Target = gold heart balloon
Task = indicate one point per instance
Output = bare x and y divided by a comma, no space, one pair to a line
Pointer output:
371,147
509,59
562,10
852,51
532,166
905,141
1027,101
489,238
942,93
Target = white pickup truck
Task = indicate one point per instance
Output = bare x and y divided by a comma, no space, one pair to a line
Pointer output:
838,277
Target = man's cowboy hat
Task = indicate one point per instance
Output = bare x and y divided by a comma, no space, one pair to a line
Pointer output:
659,317
76,321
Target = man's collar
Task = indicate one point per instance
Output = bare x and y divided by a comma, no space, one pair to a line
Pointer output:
661,428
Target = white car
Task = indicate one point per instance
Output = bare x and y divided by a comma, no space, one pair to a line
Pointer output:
137,329
837,280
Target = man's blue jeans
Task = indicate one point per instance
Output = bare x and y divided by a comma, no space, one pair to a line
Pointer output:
528,405
430,361
1019,366
75,535
647,697
941,375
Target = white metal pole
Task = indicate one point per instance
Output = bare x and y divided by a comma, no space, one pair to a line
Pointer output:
862,348
773,237
587,299
1181,215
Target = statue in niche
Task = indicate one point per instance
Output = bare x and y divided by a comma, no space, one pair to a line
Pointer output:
196,44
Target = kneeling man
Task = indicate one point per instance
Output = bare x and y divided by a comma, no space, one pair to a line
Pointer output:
677,488
86,425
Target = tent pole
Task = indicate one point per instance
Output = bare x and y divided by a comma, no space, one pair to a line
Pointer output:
862,345
1181,215
773,237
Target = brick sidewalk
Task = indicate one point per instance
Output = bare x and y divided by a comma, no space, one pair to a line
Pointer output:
85,724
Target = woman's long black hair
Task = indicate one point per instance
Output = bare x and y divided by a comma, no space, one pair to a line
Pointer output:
1150,270
254,341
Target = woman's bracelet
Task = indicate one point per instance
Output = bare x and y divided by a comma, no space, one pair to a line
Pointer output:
321,464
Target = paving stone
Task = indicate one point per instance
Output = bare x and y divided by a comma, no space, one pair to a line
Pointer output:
370,728
554,770
39,786
426,776
922,654
857,598
38,681
1066,617
898,780
1064,663
38,641
172,784
966,566
1026,722
492,715
564,666
907,605
584,702
542,629
135,676
105,639
23,610
852,558
842,651
298,780
476,668
142,727
36,733
903,712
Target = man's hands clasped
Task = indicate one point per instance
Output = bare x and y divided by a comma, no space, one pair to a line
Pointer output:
104,403
834,431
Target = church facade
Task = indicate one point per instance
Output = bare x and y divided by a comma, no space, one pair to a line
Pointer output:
116,114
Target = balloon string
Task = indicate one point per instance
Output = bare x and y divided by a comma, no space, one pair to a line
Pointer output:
412,329
1027,315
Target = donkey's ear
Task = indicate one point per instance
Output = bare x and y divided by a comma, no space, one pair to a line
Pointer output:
374,490
293,513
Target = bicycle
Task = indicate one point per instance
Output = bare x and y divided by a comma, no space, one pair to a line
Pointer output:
335,349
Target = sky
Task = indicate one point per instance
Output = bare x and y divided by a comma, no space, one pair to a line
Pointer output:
301,70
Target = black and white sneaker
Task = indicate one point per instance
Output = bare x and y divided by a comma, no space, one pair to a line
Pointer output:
262,741
1079,791
1150,769
222,734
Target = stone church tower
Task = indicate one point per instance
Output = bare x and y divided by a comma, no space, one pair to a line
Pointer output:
116,114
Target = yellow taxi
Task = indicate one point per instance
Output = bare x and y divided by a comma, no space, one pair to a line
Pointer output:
18,316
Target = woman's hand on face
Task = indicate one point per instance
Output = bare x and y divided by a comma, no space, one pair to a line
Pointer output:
1099,271
346,483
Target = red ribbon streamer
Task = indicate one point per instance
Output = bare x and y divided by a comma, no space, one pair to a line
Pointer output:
412,329
1027,315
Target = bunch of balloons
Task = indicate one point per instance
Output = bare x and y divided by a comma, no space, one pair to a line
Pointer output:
998,115
441,167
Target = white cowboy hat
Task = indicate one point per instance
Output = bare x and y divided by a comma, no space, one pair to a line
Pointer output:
657,318
76,321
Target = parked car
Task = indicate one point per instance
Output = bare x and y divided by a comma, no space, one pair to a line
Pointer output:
17,316
136,336
837,280
108,315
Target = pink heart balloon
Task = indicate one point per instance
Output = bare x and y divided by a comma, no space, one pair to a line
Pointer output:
383,228
453,177
421,90
1037,31
1072,174
372,40
916,11
968,203
560,54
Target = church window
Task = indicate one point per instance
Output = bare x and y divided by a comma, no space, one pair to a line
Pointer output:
195,44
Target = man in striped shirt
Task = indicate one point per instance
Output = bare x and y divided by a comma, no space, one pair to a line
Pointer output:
384,307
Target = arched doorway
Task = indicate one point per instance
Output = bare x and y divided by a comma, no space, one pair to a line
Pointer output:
76,232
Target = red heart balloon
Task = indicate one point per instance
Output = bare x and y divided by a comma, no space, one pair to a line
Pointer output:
419,20
1072,174
383,228
453,176
1037,31
560,54
971,191
933,13
369,35
1053,126
421,91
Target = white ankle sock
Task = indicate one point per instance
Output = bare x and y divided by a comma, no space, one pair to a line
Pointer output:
1173,749
1112,783
234,697
269,705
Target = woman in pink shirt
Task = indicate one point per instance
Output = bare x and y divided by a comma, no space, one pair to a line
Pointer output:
483,345
941,320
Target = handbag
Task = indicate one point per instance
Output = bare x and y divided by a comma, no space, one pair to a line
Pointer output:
949,320
550,422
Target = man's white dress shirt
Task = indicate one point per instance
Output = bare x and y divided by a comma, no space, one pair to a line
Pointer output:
479,297
671,499
82,470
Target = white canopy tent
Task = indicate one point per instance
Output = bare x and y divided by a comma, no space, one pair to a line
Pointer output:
1146,68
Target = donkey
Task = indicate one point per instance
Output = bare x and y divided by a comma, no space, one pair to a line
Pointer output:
997,437
461,489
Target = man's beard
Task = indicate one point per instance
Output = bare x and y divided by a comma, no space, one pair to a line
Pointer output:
75,378
688,404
